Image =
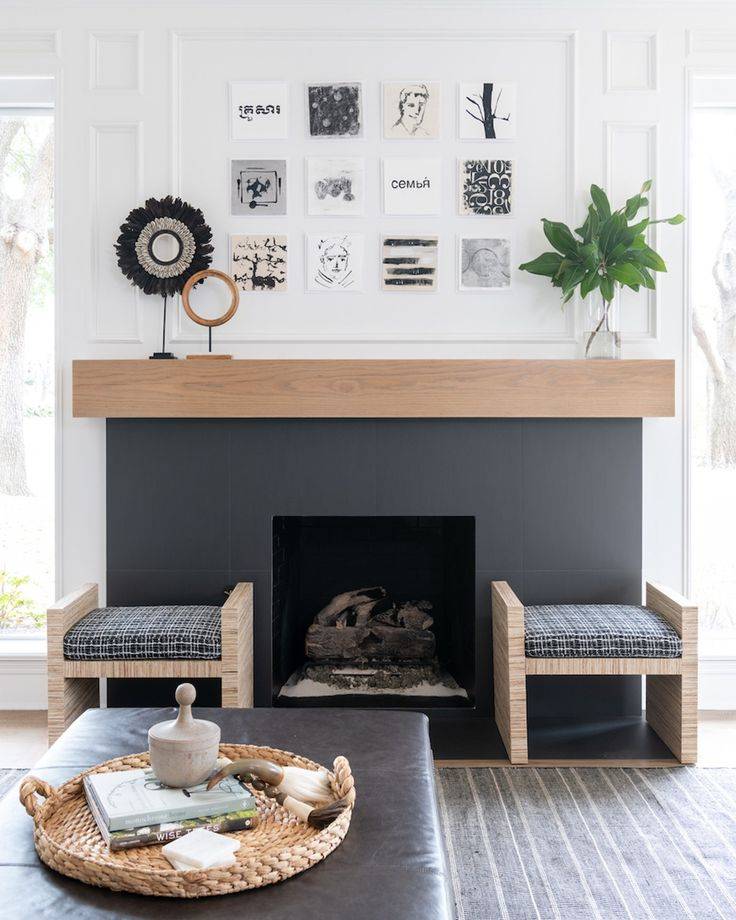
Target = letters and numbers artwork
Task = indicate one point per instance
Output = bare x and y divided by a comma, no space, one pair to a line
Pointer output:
258,262
335,109
257,187
412,185
409,263
484,264
411,109
485,187
335,185
487,111
335,262
258,111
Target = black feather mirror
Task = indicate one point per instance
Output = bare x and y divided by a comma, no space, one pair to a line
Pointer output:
160,246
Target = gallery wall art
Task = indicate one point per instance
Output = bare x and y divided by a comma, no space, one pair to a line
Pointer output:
485,187
409,263
257,187
258,111
258,262
335,185
335,262
484,264
487,111
412,185
411,110
335,109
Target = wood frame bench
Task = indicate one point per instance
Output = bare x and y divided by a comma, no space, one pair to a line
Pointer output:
671,686
73,686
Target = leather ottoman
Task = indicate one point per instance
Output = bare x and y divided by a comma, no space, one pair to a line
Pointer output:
391,865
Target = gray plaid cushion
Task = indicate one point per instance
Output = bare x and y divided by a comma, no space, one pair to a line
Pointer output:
598,631
114,633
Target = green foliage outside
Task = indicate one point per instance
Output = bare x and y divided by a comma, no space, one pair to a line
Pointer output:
16,607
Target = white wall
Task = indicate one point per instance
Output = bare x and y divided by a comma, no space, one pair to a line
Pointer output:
142,111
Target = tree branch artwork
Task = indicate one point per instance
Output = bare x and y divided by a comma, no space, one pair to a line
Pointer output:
486,110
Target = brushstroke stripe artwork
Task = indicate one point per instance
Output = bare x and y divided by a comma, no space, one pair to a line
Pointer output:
409,263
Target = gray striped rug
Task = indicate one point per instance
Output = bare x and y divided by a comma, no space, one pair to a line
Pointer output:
8,778
590,843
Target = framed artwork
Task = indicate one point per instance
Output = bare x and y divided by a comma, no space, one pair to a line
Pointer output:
412,185
335,262
335,185
411,110
487,111
335,109
485,187
409,263
258,111
484,263
257,187
258,262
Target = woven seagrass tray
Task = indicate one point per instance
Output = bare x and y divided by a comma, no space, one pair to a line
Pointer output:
67,839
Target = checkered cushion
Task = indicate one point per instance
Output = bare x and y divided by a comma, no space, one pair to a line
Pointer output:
145,633
598,631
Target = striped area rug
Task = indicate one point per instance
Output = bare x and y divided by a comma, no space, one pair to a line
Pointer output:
8,778
602,843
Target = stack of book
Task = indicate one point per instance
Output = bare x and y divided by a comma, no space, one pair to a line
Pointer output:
133,809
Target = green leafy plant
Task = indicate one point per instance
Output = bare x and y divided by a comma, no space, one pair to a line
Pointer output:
608,250
16,608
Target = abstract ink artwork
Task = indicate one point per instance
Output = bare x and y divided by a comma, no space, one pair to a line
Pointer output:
257,187
258,110
335,109
335,185
485,187
484,264
259,262
412,185
411,110
409,263
335,262
487,111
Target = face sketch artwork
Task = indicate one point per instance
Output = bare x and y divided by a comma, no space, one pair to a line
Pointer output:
334,268
412,107
411,110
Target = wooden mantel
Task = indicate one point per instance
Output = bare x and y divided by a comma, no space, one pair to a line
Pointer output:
373,389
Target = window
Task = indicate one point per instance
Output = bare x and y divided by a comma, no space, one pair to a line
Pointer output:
27,398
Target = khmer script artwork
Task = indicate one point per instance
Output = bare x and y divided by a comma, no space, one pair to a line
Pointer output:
409,263
335,109
257,187
258,110
485,187
487,111
335,262
411,109
258,262
335,185
484,264
412,185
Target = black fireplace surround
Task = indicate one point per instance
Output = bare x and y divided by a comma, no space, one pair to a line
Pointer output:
556,507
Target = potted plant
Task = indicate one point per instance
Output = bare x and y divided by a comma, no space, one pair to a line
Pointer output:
608,251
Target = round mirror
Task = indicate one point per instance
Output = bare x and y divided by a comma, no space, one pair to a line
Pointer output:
165,247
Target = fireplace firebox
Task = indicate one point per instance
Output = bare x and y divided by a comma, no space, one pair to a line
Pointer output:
374,610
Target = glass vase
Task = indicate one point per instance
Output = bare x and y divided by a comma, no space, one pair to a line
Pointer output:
602,336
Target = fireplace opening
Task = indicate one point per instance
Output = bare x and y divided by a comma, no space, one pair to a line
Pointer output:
374,611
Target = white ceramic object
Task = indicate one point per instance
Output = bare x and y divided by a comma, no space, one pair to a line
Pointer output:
184,750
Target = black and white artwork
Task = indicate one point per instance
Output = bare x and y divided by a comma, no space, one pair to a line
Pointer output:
484,264
259,262
411,109
485,187
257,187
335,109
409,263
335,262
412,185
335,185
487,111
258,111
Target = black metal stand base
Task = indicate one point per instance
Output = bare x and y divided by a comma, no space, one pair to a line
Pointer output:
161,355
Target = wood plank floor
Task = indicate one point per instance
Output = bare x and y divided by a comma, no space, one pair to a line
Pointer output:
23,740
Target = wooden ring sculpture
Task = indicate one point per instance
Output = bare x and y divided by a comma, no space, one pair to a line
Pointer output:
200,276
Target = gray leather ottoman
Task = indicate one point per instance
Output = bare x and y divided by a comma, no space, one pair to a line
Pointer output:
391,865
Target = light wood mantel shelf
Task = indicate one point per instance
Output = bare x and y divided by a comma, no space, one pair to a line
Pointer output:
374,389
